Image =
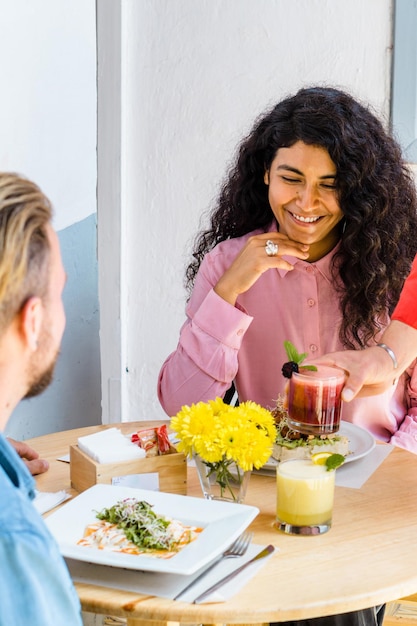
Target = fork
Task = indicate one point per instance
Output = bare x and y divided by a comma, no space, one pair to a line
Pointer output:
236,549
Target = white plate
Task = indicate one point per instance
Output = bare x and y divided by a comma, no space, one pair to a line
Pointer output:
361,442
223,522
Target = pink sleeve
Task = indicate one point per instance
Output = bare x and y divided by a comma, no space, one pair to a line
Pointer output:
206,359
406,435
406,309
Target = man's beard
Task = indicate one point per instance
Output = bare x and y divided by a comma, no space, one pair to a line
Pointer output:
41,376
43,381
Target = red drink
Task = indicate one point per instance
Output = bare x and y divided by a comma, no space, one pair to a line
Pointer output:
314,400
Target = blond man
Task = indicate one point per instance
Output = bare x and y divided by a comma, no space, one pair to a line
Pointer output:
35,585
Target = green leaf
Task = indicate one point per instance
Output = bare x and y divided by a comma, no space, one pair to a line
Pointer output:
293,355
334,461
292,352
312,368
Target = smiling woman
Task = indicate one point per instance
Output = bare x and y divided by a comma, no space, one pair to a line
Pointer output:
310,242
319,177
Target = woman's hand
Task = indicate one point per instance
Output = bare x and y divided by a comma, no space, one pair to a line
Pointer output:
252,261
371,371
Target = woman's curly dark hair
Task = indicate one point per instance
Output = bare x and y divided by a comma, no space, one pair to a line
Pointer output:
375,189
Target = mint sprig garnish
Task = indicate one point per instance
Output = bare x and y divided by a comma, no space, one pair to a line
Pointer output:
334,461
292,353
294,356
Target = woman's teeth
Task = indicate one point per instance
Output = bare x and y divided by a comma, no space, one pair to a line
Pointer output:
308,220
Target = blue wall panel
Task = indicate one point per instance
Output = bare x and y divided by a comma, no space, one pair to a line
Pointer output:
74,398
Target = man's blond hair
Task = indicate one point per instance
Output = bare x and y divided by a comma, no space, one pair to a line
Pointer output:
25,213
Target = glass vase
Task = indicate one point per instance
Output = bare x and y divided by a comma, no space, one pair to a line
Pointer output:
223,480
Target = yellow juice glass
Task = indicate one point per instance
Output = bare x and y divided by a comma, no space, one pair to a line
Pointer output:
305,494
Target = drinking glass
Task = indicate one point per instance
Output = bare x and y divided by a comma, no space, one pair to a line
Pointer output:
315,400
305,493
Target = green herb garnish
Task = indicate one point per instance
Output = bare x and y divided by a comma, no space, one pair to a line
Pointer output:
334,461
295,357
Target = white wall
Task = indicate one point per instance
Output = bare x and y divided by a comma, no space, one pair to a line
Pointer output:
195,74
48,103
48,133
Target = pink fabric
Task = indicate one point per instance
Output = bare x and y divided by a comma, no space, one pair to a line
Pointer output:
220,343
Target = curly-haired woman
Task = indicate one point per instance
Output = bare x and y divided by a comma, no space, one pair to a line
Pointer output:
311,240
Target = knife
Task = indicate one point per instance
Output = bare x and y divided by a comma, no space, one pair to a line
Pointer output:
265,552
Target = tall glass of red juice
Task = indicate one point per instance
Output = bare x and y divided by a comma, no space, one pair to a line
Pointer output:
314,400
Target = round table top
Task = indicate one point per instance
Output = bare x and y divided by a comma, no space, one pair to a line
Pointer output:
367,558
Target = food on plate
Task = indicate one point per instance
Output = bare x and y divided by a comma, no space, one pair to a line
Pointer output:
153,440
291,444
131,526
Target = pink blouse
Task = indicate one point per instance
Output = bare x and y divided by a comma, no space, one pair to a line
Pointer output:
220,343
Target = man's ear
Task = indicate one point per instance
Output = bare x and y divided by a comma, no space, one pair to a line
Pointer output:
31,316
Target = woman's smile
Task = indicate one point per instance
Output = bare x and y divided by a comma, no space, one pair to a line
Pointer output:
305,220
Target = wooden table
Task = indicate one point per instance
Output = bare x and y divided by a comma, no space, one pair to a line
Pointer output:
368,557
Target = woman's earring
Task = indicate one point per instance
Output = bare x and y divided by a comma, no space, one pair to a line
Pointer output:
344,226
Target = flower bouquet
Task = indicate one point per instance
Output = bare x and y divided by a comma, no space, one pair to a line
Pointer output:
226,442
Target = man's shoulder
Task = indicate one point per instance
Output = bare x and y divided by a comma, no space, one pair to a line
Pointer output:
17,514
17,490
13,471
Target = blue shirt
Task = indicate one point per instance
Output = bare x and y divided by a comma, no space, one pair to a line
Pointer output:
35,586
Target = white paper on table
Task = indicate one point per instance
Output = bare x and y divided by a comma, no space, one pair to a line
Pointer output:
44,501
110,446
356,473
150,481
65,458
169,585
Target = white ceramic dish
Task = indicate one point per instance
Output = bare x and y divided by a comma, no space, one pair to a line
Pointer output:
223,522
361,443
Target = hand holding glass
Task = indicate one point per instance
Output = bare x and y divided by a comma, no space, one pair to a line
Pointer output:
315,400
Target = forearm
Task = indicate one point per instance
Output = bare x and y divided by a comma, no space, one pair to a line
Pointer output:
402,339
181,381
372,370
206,360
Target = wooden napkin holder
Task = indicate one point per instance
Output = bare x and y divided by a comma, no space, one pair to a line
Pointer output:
171,468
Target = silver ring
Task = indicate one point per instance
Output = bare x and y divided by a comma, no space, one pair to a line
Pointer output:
271,248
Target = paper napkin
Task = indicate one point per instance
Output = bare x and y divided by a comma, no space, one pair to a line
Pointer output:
110,446
356,473
169,585
44,501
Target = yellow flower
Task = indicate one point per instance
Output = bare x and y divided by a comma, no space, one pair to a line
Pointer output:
219,433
